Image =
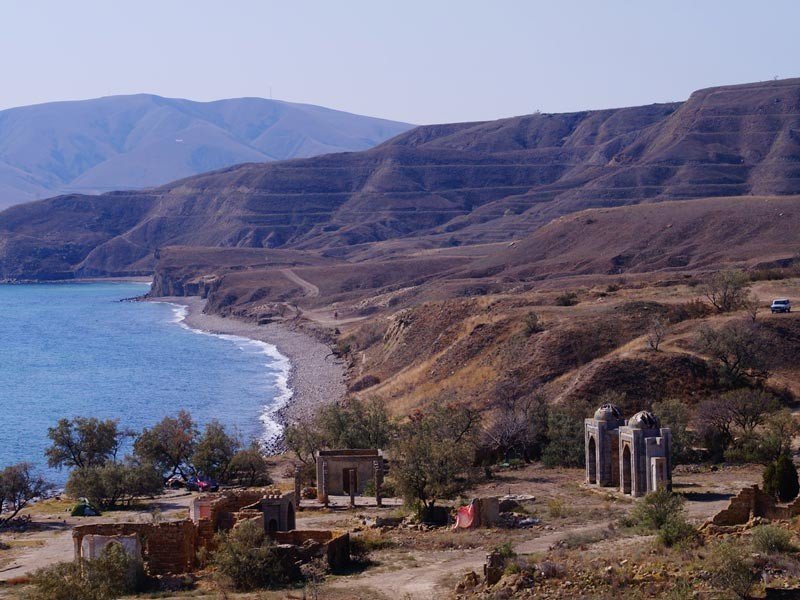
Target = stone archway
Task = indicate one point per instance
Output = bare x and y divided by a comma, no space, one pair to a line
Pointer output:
591,460
627,470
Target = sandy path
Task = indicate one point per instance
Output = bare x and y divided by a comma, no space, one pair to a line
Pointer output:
311,290
56,547
441,568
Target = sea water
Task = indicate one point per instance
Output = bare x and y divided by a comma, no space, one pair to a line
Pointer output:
75,349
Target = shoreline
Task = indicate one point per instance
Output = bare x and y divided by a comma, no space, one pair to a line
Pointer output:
315,377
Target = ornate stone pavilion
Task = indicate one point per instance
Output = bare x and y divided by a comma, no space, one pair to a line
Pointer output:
632,455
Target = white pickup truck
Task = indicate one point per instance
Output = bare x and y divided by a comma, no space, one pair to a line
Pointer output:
781,305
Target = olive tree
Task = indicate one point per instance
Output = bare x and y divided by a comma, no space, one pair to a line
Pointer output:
434,454
114,484
169,444
83,442
249,467
214,451
19,485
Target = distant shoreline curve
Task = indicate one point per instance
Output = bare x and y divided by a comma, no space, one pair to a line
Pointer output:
315,376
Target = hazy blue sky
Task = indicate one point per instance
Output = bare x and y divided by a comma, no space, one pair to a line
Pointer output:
419,61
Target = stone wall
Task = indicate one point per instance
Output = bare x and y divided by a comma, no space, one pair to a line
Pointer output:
752,502
334,546
166,547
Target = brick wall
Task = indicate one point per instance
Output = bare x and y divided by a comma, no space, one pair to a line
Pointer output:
166,547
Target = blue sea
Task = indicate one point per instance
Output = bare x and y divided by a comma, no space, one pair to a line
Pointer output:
74,349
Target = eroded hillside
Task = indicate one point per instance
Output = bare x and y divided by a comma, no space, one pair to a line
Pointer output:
434,187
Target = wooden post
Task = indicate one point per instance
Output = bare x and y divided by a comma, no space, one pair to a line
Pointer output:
353,485
323,488
377,468
297,487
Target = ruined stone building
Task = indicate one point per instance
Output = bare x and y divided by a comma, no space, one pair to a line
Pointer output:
340,471
172,546
632,455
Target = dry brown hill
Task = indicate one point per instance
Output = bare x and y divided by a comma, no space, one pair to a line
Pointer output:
434,187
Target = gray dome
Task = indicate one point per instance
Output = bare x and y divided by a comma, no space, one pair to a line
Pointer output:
644,420
608,412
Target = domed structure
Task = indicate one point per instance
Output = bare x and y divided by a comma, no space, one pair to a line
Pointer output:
644,420
608,412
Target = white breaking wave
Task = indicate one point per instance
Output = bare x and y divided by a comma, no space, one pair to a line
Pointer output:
279,367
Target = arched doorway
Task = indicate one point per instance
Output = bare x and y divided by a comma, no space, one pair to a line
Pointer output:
290,520
591,460
626,469
272,527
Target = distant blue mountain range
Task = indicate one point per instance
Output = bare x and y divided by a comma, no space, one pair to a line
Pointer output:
124,142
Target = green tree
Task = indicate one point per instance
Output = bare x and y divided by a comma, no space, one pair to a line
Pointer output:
766,445
434,454
83,442
114,483
565,446
741,351
304,439
169,444
249,467
780,479
676,415
214,451
18,487
356,424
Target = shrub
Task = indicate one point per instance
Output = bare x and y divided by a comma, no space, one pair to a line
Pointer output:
733,570
359,551
567,299
114,484
676,531
727,290
656,509
780,479
246,560
506,551
556,508
771,539
113,574
532,324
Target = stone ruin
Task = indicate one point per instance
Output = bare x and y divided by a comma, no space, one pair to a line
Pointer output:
753,503
171,547
633,456
347,472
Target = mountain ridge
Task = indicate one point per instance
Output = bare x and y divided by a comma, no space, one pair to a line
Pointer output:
144,140
435,186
